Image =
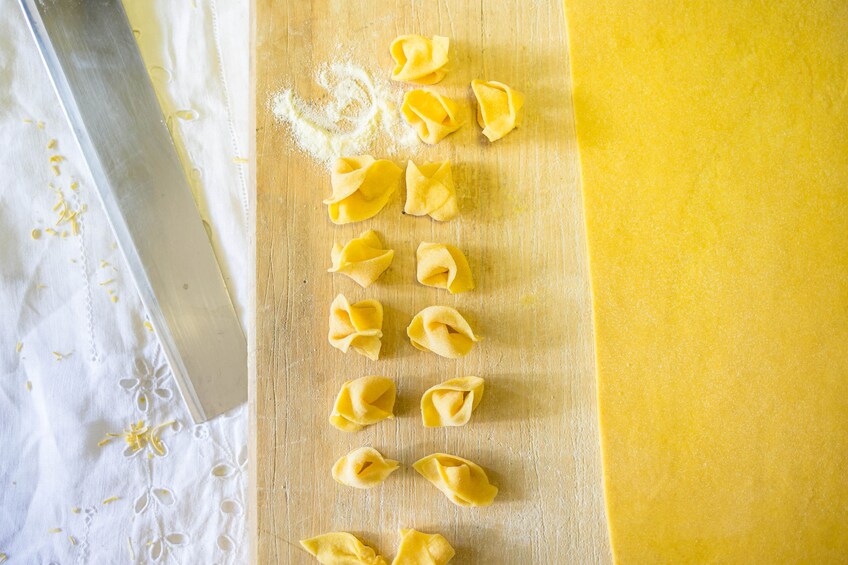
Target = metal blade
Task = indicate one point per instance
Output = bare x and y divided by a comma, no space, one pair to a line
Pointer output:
94,63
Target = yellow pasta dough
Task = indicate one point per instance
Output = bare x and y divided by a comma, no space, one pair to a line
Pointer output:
431,115
418,548
443,266
361,188
362,258
430,191
714,153
341,548
420,60
358,326
442,330
363,402
451,403
499,108
363,468
463,482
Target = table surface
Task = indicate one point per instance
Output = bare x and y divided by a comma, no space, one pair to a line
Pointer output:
521,227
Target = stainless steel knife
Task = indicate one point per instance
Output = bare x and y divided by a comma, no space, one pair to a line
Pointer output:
94,63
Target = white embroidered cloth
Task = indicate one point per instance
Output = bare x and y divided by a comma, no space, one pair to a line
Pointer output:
76,359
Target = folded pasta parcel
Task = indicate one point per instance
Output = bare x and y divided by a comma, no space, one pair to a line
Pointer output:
358,326
431,115
464,483
430,191
362,258
363,402
499,108
451,403
362,187
420,60
336,548
443,266
442,330
419,548
363,468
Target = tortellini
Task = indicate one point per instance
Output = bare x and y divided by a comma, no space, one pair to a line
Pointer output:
430,191
442,330
363,402
451,402
420,60
362,258
418,548
443,266
358,326
498,108
341,548
463,482
363,468
431,115
361,188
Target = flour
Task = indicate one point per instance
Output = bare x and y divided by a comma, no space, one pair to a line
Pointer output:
359,111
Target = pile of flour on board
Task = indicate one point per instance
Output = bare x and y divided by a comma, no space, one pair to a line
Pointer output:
358,109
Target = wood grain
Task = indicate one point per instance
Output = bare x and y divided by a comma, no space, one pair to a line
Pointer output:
521,227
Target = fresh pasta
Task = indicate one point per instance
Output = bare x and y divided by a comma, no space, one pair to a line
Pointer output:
362,187
443,266
431,115
363,468
451,403
418,548
463,482
362,402
498,108
442,330
341,548
362,258
358,326
420,60
430,191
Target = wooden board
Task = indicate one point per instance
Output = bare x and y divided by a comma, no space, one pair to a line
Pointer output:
521,227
